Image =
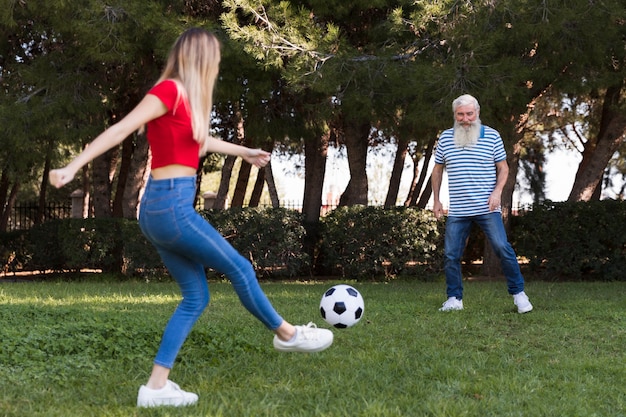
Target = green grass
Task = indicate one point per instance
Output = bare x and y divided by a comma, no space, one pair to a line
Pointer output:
83,349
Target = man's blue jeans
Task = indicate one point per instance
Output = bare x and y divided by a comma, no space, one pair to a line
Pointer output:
457,232
187,244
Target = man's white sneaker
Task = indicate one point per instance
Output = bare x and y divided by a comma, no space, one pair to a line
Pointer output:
307,339
522,302
169,395
451,304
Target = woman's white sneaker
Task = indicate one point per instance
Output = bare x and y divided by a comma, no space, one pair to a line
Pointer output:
307,339
522,302
169,395
452,304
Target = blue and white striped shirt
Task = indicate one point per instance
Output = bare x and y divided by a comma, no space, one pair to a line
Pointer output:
471,171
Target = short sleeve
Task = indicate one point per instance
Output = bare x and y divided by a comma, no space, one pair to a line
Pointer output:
167,92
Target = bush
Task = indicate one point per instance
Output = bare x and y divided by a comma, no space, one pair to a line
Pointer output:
574,240
44,247
139,257
361,241
584,240
271,238
13,252
112,245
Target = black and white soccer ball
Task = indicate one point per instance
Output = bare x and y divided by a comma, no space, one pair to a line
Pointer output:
342,306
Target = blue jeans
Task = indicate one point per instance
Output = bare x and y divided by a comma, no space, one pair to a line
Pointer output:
187,244
457,232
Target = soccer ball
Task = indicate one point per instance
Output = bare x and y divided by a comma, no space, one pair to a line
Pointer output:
342,306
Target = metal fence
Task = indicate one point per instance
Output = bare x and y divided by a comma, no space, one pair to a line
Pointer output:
22,216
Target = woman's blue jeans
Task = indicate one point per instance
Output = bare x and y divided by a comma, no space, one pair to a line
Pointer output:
457,232
187,244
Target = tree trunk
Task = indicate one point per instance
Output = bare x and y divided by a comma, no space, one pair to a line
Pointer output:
417,188
242,184
8,194
103,171
396,173
425,195
43,188
4,221
315,154
413,188
271,185
122,178
356,135
222,191
597,155
257,191
86,184
4,191
138,175
491,263
236,120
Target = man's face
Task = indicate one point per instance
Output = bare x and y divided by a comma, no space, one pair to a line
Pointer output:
466,115
466,126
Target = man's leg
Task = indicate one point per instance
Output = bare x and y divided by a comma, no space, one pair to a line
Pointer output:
457,232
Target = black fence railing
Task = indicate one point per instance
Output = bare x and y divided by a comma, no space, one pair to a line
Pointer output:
24,215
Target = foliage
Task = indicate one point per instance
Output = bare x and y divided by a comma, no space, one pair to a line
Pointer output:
361,242
271,238
138,256
357,242
114,245
70,71
43,247
575,240
13,253
83,349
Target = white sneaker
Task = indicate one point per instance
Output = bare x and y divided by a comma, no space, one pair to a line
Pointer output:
170,394
451,304
307,339
522,303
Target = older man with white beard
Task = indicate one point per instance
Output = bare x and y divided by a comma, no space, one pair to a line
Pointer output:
475,160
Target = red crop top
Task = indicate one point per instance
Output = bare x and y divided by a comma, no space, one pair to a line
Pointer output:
171,136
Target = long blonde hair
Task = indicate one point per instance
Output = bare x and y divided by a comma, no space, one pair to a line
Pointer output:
194,62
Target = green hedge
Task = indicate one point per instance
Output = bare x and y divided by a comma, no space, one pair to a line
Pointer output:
113,245
361,241
271,238
585,240
559,240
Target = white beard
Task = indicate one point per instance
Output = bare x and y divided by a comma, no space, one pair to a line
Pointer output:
466,136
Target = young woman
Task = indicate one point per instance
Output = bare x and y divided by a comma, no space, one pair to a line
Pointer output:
176,116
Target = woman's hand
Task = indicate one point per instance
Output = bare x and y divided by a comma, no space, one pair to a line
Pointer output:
60,177
257,157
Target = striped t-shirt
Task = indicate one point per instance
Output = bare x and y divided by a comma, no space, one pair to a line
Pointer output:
471,171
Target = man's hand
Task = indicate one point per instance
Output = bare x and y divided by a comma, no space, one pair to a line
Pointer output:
494,201
438,210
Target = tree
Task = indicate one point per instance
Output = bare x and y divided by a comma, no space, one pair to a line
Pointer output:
548,50
86,67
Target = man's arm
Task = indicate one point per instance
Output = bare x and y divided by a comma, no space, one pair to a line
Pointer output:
502,173
435,180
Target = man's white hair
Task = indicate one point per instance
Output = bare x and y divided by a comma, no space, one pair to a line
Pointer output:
465,100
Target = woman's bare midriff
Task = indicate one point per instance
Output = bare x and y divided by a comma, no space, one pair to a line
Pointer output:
172,171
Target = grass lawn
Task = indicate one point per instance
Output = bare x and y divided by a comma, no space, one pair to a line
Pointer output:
84,348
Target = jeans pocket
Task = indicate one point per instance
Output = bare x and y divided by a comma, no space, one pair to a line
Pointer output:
160,226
